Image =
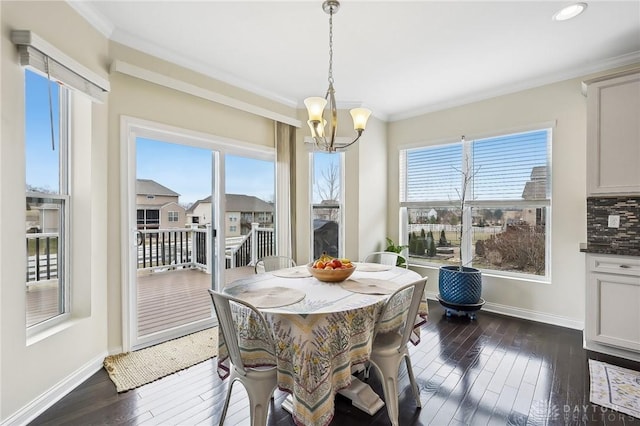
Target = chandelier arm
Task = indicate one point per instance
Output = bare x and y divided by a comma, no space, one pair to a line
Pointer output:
360,131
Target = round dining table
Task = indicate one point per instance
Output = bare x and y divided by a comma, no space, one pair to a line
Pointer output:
322,330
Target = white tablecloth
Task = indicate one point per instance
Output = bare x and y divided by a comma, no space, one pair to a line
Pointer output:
318,339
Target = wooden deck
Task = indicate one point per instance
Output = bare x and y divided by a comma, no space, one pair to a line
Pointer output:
165,299
42,302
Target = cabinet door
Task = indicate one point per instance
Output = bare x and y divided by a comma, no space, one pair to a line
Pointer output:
613,135
613,310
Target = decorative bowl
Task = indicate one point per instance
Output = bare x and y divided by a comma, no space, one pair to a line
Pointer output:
331,275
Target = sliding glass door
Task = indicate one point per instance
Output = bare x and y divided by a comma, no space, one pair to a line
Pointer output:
174,239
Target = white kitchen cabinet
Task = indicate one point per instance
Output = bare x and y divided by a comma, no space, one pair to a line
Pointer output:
612,315
613,134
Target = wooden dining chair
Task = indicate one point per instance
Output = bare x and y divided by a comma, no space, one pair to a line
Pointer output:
273,263
386,258
390,348
259,382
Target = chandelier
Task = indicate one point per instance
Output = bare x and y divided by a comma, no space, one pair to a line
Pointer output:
316,105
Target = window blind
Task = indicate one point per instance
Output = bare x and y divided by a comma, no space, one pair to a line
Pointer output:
43,57
509,167
431,174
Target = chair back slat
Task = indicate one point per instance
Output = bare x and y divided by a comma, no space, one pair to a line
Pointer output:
408,316
273,263
222,304
385,258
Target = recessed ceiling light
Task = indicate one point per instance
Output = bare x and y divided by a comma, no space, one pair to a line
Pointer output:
569,12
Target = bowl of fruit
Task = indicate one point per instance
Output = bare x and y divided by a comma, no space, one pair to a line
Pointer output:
331,269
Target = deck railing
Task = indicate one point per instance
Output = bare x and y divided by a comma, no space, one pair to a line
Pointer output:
159,249
248,249
42,257
172,248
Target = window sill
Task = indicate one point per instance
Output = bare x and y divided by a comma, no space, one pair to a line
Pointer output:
506,275
43,333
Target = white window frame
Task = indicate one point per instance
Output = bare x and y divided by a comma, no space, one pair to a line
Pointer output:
484,204
173,216
340,205
63,194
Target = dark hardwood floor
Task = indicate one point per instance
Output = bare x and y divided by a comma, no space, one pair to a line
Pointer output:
495,370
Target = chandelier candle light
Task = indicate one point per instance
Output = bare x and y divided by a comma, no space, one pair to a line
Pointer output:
316,105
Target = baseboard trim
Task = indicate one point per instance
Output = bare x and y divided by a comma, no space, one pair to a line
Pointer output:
526,314
36,407
611,350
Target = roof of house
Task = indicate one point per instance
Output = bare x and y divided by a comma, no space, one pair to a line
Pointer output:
160,206
536,188
151,187
539,172
239,203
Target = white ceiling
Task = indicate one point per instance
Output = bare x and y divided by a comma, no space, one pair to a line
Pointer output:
398,58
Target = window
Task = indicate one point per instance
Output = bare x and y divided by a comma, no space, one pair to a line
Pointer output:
47,199
173,216
233,228
148,218
326,204
504,225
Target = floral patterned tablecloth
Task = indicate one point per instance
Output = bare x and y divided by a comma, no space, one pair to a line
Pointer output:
318,339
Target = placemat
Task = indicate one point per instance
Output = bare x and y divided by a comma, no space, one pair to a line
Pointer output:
369,286
267,297
373,267
296,272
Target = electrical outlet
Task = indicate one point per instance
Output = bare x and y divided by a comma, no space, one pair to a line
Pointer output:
614,221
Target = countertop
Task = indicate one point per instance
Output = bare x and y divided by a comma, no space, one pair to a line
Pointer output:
609,249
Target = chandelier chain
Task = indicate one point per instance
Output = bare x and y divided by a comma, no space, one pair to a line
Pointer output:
331,46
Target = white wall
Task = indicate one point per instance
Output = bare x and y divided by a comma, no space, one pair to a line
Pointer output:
562,300
32,369
373,190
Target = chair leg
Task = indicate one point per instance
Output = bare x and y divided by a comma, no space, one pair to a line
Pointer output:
226,402
259,400
412,382
389,380
390,387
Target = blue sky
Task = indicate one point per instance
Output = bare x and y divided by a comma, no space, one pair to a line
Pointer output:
187,171
42,161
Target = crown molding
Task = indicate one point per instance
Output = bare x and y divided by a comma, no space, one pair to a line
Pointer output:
191,89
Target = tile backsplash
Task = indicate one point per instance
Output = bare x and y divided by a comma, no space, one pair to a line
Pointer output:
627,236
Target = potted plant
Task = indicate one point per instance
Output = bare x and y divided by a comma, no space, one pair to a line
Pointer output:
392,247
460,284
